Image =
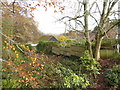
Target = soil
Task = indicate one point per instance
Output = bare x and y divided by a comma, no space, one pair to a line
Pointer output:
100,80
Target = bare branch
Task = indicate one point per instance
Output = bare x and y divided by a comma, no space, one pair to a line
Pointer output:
81,23
92,5
112,26
64,18
94,19
98,8
110,8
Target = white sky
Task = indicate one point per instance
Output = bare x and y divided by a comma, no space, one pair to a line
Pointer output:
46,19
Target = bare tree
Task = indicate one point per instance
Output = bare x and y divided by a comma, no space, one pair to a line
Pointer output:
87,33
102,19
108,5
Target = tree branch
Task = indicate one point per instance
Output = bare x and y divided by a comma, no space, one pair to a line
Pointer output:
12,41
94,19
110,8
112,26
13,4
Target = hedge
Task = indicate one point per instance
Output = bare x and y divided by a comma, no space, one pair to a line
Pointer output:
45,46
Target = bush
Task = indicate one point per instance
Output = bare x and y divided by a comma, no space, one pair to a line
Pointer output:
89,65
70,79
45,46
62,38
113,76
82,43
109,42
10,83
29,46
116,55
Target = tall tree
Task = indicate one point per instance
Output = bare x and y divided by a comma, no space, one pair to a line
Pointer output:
102,20
87,33
22,28
108,5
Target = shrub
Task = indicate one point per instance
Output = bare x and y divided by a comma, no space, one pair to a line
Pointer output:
10,83
62,38
113,76
29,46
70,79
116,55
109,42
45,46
80,44
89,65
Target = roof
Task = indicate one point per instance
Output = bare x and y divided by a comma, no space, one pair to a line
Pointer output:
48,38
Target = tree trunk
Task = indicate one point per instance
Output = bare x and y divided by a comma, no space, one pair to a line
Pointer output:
88,44
87,33
97,47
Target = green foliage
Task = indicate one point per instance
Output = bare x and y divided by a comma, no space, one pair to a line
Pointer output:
67,42
116,55
89,65
109,42
74,80
62,38
29,46
118,40
82,43
69,78
10,83
113,76
73,65
45,46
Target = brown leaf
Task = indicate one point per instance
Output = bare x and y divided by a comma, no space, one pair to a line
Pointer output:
53,3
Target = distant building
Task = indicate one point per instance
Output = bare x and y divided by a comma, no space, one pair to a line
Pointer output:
48,38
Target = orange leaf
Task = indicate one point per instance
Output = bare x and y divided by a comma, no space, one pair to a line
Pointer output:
62,9
53,3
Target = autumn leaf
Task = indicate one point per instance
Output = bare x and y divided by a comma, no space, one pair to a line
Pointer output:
62,8
33,8
53,3
38,4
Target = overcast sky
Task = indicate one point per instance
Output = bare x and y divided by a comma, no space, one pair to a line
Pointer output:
46,19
